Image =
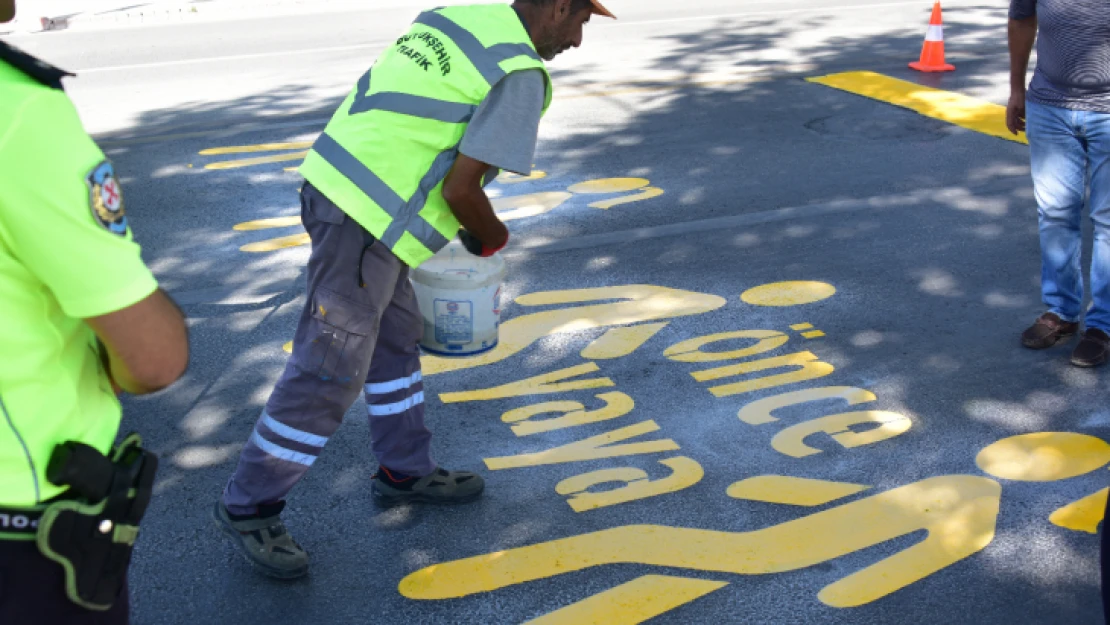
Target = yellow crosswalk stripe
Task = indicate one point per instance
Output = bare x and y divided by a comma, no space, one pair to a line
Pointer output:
954,108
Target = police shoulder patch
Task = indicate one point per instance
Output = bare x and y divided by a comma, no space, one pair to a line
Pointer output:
106,199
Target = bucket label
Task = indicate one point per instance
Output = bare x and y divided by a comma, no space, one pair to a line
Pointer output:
454,321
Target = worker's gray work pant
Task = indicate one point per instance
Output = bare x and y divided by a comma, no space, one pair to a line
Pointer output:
347,335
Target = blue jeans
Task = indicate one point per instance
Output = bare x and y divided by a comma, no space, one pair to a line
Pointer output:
1068,149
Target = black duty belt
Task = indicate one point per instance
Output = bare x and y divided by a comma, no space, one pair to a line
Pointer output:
20,523
91,528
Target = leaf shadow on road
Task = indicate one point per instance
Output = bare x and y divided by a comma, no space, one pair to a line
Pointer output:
934,284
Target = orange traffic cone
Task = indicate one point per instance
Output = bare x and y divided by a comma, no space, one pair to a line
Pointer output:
932,54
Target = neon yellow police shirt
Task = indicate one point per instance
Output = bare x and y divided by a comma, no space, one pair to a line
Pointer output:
66,253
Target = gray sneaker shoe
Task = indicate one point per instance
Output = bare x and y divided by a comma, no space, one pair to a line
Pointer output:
441,486
265,542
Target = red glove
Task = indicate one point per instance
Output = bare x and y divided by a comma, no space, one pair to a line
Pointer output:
476,247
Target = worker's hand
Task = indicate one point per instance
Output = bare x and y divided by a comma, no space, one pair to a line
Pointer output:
1015,112
476,247
462,190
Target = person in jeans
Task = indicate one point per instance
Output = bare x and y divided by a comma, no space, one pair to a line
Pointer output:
1066,115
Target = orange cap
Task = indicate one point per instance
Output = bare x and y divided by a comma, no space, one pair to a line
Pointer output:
601,10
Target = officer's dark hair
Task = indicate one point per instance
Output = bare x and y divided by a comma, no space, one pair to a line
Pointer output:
575,5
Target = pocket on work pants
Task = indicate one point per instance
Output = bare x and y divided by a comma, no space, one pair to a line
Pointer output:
316,206
338,340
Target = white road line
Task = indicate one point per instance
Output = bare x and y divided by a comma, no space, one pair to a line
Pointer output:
912,199
378,44
828,9
235,57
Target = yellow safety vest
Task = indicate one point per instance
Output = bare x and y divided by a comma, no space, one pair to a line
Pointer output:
66,254
384,154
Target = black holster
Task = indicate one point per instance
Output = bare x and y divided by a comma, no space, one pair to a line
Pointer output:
92,535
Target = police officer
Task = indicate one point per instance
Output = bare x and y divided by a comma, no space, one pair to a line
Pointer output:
82,318
399,168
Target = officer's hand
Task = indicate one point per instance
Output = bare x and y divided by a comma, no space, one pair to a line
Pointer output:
476,247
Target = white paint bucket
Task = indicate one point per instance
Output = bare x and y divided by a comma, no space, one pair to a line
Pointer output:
459,296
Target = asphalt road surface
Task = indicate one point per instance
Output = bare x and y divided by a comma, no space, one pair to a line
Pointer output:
759,360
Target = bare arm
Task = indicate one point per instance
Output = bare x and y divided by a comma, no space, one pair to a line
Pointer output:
1021,35
146,343
468,201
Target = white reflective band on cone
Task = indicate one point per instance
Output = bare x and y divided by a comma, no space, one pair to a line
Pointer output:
935,33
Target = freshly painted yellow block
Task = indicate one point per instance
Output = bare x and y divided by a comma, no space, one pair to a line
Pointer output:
633,602
794,491
954,108
1083,515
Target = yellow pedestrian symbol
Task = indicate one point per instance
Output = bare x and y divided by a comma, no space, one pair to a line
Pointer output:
957,512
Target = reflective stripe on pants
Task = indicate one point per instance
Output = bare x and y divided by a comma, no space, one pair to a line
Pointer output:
348,339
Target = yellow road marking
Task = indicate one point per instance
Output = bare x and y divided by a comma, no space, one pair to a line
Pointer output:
531,205
690,351
1083,515
261,160
948,106
509,177
261,147
685,472
788,293
633,304
280,243
574,414
793,491
632,602
959,513
1044,456
609,185
646,194
621,341
266,224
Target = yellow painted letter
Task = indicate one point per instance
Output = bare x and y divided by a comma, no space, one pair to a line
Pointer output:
808,368
958,512
640,303
791,441
539,385
690,351
616,405
593,448
685,473
759,412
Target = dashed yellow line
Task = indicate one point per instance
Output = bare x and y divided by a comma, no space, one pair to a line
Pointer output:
260,160
281,243
954,108
262,147
266,224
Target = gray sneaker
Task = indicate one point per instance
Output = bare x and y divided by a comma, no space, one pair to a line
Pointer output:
441,486
265,542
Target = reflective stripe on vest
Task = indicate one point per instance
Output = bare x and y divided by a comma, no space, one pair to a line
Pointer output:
403,213
408,104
